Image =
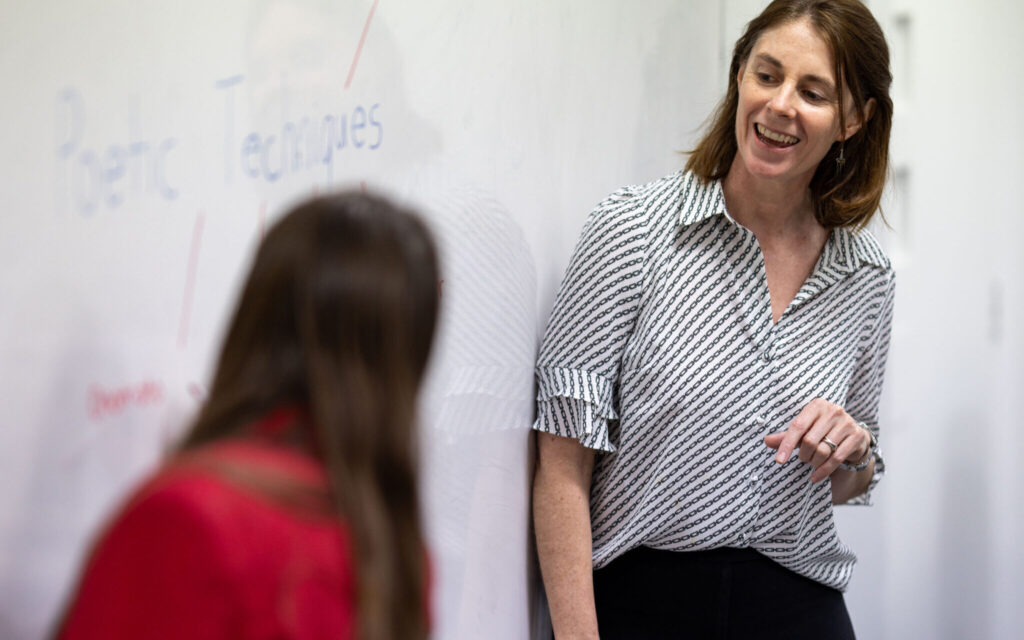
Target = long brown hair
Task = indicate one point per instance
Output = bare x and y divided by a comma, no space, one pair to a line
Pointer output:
337,317
861,58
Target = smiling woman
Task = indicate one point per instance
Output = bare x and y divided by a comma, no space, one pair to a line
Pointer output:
691,450
842,42
787,117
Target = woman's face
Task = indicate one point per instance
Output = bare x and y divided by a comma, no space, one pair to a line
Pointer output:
787,115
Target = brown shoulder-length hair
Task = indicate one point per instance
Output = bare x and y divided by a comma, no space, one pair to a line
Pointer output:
337,318
861,57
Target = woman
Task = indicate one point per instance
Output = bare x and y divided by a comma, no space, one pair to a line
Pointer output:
291,509
710,376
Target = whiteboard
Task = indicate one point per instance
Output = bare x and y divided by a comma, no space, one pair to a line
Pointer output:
148,146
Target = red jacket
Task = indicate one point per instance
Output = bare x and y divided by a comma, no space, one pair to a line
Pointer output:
197,553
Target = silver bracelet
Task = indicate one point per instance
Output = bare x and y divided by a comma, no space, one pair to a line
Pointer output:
863,464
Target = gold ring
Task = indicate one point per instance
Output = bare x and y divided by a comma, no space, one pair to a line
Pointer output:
831,445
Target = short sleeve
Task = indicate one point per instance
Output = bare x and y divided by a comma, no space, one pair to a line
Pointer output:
158,572
865,389
593,316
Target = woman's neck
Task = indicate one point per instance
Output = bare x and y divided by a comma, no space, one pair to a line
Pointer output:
771,209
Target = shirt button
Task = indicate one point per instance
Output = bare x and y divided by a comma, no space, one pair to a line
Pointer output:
767,356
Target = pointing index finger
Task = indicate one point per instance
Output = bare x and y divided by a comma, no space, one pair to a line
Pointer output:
796,431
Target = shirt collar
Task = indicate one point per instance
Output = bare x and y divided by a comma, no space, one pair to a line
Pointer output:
699,201
856,247
845,251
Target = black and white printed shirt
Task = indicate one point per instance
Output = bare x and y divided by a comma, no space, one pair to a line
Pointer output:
661,352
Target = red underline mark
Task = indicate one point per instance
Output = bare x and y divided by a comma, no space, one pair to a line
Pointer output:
190,281
362,41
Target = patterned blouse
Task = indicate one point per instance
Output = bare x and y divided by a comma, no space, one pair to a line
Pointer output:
661,353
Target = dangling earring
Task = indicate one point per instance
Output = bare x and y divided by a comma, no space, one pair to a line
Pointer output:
840,160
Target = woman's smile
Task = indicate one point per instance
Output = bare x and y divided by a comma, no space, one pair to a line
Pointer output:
773,138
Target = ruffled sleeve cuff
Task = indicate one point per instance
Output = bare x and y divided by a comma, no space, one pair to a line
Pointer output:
575,404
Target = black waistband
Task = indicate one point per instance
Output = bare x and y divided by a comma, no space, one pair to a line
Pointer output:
721,555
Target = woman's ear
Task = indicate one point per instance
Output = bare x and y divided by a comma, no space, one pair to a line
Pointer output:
854,124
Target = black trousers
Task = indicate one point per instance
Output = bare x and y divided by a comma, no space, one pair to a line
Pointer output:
723,594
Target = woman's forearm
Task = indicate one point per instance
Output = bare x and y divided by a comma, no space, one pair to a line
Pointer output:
561,515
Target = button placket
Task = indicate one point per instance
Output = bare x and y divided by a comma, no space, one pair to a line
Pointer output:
753,482
770,345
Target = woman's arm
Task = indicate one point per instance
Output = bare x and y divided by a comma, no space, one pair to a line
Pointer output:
577,373
561,518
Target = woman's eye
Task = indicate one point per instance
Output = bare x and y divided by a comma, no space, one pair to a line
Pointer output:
764,77
814,97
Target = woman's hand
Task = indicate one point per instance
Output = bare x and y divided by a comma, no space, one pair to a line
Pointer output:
826,436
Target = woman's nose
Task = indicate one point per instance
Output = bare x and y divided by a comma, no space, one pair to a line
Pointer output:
781,101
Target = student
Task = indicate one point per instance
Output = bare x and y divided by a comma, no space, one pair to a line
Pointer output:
291,508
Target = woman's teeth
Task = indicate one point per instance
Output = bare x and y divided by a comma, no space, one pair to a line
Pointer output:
781,138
